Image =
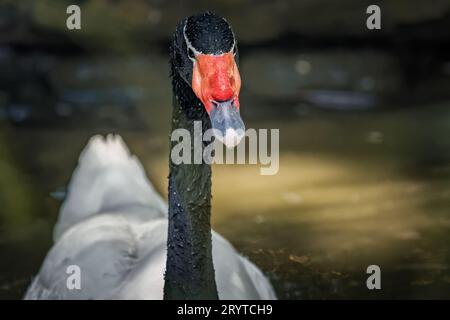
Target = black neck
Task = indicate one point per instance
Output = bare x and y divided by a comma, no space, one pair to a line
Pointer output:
189,267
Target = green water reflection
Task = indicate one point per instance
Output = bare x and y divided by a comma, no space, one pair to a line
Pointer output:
352,190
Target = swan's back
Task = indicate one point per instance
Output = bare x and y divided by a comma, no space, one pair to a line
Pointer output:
113,227
107,178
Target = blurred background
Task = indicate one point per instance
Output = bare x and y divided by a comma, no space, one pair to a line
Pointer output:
364,119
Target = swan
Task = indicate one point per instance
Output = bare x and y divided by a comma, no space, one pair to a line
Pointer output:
124,240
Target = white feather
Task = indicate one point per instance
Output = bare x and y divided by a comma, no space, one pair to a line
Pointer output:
113,225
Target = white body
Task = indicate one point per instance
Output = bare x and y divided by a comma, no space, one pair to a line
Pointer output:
113,226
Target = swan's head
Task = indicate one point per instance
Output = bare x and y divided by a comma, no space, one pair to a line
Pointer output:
205,55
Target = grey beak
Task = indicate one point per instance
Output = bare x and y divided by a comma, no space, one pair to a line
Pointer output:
226,122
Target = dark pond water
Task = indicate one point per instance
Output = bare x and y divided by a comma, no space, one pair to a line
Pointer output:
355,188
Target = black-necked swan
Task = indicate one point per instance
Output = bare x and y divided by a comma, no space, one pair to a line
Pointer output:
125,242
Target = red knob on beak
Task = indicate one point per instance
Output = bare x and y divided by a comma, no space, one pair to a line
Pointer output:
216,78
216,82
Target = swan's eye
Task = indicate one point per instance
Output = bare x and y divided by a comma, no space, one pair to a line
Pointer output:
191,54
